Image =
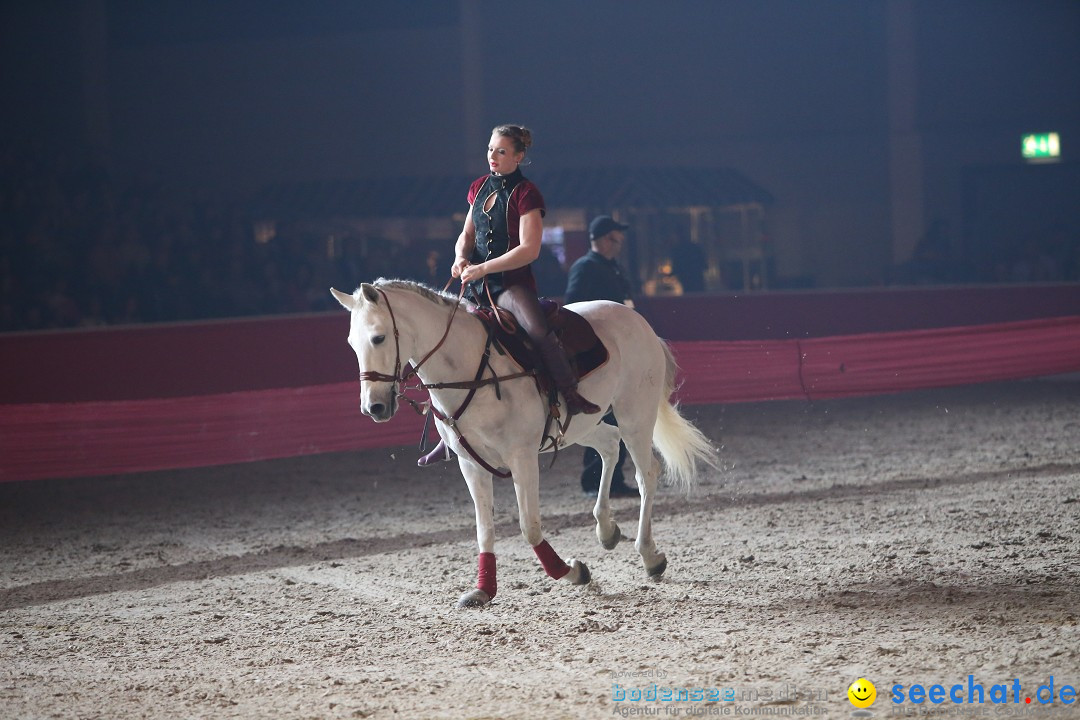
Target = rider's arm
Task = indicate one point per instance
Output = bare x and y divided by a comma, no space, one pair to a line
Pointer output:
464,246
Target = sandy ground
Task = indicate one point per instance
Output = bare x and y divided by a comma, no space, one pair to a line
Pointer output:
912,539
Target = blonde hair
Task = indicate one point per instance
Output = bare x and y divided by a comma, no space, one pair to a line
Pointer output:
520,135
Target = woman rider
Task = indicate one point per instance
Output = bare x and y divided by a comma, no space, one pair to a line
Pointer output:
494,251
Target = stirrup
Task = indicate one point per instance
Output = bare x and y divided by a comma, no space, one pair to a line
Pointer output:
441,453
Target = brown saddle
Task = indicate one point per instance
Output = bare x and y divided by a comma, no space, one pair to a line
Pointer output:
583,347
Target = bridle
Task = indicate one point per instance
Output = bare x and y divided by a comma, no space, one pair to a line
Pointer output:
397,377
428,409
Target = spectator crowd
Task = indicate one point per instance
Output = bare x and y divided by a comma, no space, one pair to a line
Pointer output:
78,250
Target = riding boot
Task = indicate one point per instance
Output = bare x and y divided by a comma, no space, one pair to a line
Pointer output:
441,453
558,365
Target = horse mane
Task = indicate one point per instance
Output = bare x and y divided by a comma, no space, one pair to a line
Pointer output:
435,296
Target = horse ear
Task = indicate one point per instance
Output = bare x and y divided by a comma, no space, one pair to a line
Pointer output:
369,292
347,301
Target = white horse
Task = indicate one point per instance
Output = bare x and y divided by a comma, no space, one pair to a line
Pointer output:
394,321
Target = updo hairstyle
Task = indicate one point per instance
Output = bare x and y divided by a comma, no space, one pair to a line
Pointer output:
518,134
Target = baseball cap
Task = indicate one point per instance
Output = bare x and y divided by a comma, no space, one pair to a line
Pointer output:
602,225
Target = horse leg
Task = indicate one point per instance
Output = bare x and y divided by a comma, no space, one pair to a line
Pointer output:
527,488
605,441
639,444
479,482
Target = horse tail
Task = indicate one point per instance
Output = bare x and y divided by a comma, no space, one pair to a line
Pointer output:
681,445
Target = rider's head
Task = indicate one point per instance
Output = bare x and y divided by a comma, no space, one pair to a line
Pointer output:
519,135
507,148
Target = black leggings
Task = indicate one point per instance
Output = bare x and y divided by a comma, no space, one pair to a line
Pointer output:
523,303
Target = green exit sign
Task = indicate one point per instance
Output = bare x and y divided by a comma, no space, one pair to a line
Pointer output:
1041,147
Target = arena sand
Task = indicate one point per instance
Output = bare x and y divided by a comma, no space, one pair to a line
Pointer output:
914,539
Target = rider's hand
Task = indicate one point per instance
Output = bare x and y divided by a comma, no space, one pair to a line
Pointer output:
472,273
459,266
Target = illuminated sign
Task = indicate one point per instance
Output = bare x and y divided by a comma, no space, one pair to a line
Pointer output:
1041,147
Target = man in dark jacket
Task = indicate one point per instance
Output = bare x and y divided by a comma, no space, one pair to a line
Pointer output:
597,276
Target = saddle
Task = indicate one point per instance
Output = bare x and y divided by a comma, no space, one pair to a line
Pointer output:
583,347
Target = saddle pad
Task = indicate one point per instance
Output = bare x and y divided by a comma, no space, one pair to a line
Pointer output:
583,347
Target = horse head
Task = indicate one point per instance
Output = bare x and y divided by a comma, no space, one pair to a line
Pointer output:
373,336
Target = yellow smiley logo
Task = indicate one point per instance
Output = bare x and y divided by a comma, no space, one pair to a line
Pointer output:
862,693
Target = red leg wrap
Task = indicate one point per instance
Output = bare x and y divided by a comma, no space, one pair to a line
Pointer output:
553,564
485,575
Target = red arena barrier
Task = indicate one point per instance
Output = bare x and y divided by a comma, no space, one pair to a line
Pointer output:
41,440
876,363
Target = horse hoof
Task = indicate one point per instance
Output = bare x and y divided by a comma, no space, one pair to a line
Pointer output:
474,598
657,570
584,577
609,543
